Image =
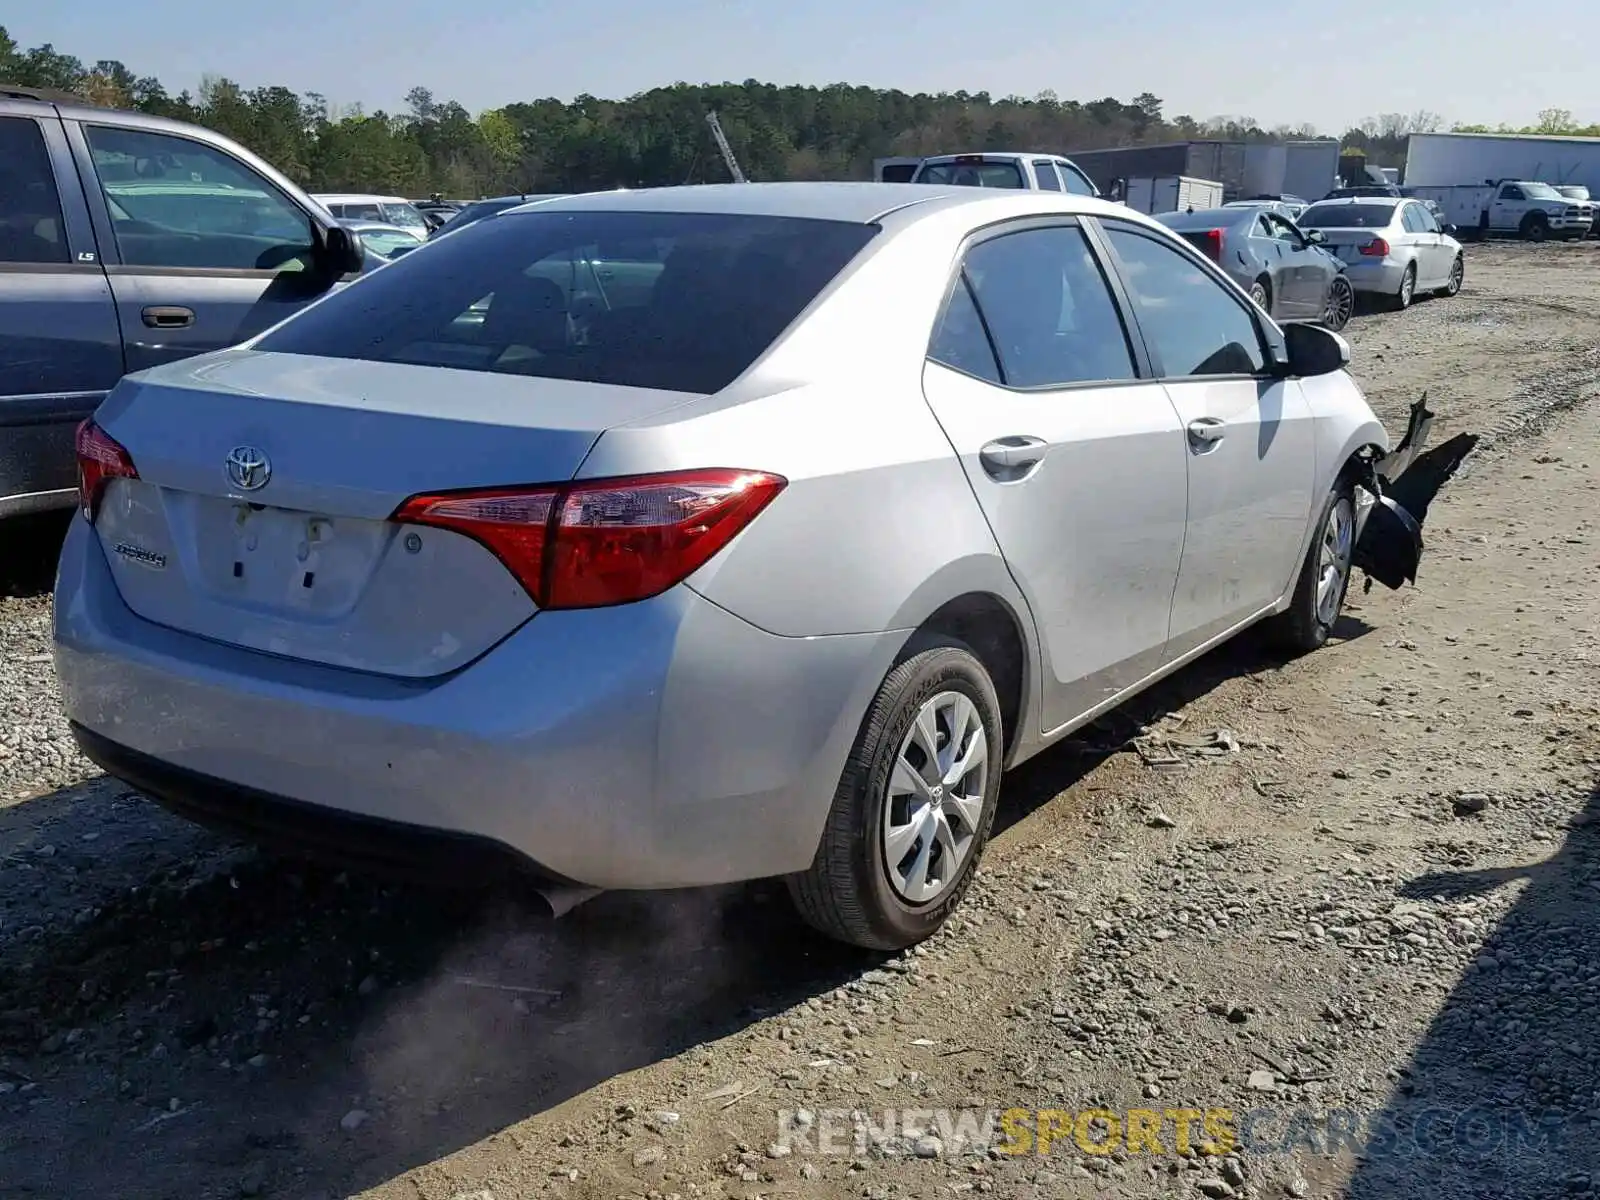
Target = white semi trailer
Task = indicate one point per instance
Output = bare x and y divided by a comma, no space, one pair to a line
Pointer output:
1448,159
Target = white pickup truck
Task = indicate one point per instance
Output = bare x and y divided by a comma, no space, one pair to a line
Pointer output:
994,168
1509,207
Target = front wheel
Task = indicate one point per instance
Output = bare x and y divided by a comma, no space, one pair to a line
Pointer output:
1324,578
1535,227
1340,304
914,806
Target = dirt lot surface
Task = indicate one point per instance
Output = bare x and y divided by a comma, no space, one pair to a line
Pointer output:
1355,891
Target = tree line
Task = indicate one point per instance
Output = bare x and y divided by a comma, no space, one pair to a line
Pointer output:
658,137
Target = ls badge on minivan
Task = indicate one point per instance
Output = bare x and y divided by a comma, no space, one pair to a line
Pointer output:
248,468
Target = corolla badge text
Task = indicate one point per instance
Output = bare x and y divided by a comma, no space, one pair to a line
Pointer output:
248,468
139,554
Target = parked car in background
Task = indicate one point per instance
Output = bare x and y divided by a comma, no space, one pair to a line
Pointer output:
1392,248
1284,270
317,580
388,210
1294,204
1286,211
1363,189
1010,169
479,209
127,241
436,210
386,241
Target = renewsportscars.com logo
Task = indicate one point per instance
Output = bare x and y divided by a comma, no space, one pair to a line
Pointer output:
1472,1134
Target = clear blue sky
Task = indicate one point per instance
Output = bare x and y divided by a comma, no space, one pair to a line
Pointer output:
1326,63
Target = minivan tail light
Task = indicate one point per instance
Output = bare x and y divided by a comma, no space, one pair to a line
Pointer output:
1376,248
101,458
601,542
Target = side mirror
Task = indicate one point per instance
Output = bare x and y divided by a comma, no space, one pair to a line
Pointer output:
1315,236
342,251
1312,350
402,248
1447,228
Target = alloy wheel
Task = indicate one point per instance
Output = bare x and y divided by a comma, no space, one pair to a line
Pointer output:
1333,563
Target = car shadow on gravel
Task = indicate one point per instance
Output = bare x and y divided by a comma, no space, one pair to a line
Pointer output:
305,1030
30,547
1042,778
180,1012
1501,1097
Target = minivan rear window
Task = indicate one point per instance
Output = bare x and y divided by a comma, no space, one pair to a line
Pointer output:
675,301
1347,216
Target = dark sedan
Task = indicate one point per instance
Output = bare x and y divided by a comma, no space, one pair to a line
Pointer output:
1285,270
479,209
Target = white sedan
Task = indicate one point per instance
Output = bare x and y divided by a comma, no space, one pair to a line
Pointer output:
1391,247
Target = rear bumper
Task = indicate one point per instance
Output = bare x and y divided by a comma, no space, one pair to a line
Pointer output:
1379,276
660,744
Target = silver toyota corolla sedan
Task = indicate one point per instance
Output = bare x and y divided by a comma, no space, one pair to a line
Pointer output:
676,537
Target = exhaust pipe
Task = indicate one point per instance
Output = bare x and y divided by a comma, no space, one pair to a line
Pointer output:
562,900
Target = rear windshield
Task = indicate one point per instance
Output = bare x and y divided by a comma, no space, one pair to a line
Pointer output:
988,174
1346,216
676,301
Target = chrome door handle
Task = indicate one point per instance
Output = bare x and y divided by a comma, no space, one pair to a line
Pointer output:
1010,454
1205,431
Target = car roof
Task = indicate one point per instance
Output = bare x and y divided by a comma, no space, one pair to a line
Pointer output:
861,203
987,154
1364,200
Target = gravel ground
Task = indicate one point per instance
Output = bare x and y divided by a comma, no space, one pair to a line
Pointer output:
1351,892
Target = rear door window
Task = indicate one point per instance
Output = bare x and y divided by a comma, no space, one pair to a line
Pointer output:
31,226
1049,309
677,301
181,203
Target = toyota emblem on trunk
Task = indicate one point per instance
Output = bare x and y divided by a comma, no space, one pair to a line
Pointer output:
248,468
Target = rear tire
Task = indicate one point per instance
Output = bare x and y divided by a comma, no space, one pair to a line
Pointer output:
1341,303
1261,293
857,890
1401,300
1458,273
1324,578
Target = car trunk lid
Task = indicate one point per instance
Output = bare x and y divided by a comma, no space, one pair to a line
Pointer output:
289,550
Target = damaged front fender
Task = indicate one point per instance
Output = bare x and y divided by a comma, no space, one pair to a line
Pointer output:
1400,486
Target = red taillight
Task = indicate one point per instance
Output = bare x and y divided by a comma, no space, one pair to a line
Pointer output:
1211,244
603,541
1376,248
101,459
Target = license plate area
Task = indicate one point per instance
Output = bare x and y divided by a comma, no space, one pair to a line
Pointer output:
282,560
